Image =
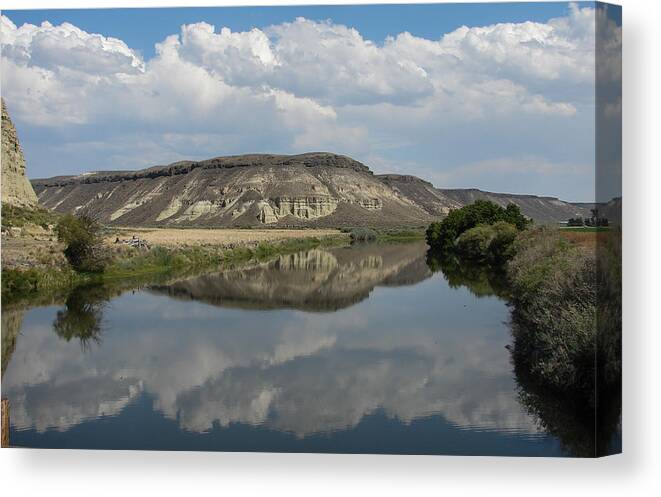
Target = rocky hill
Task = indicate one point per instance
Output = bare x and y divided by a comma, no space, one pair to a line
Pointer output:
314,189
437,201
16,189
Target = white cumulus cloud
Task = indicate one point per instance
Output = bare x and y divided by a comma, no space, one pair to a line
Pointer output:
298,86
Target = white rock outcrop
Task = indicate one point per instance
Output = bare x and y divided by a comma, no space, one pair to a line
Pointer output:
305,207
16,189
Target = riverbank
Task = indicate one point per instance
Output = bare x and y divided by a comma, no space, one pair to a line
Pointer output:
563,286
566,299
131,265
225,238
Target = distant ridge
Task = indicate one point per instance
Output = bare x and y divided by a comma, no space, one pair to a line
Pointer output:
317,189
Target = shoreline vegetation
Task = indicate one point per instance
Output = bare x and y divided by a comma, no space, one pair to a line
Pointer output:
128,266
60,253
563,287
564,290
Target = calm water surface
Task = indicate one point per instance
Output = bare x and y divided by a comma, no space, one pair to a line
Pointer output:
359,349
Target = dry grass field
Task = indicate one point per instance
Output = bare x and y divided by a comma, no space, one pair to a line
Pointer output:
228,238
585,239
35,247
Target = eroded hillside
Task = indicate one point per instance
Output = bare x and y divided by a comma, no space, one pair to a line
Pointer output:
307,190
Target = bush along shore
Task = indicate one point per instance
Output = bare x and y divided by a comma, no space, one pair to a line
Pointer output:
90,262
565,296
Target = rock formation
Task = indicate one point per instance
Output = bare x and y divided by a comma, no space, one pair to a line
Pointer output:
314,189
16,189
307,190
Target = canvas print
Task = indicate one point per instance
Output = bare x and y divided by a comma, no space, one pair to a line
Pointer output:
388,229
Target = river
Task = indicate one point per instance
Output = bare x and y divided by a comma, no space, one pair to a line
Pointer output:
362,349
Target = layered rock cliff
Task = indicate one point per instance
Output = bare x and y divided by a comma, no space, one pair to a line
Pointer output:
16,189
314,189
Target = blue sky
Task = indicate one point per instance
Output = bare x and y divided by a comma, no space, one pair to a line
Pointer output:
493,96
141,28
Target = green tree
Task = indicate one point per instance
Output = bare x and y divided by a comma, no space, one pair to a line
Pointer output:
441,236
82,237
514,216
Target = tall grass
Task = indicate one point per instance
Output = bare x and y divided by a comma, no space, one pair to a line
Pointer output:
566,317
16,216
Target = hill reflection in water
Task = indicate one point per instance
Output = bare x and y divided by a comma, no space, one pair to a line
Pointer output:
315,280
310,352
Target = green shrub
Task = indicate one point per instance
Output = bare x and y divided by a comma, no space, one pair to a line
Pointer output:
567,311
441,236
82,237
362,235
474,243
487,243
501,247
15,282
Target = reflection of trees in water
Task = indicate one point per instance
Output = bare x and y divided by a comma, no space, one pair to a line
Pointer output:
12,320
481,280
587,424
585,415
584,428
82,316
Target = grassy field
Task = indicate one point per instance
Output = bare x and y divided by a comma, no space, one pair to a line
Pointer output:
587,238
226,238
28,251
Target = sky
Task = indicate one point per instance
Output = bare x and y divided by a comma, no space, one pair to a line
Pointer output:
493,96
